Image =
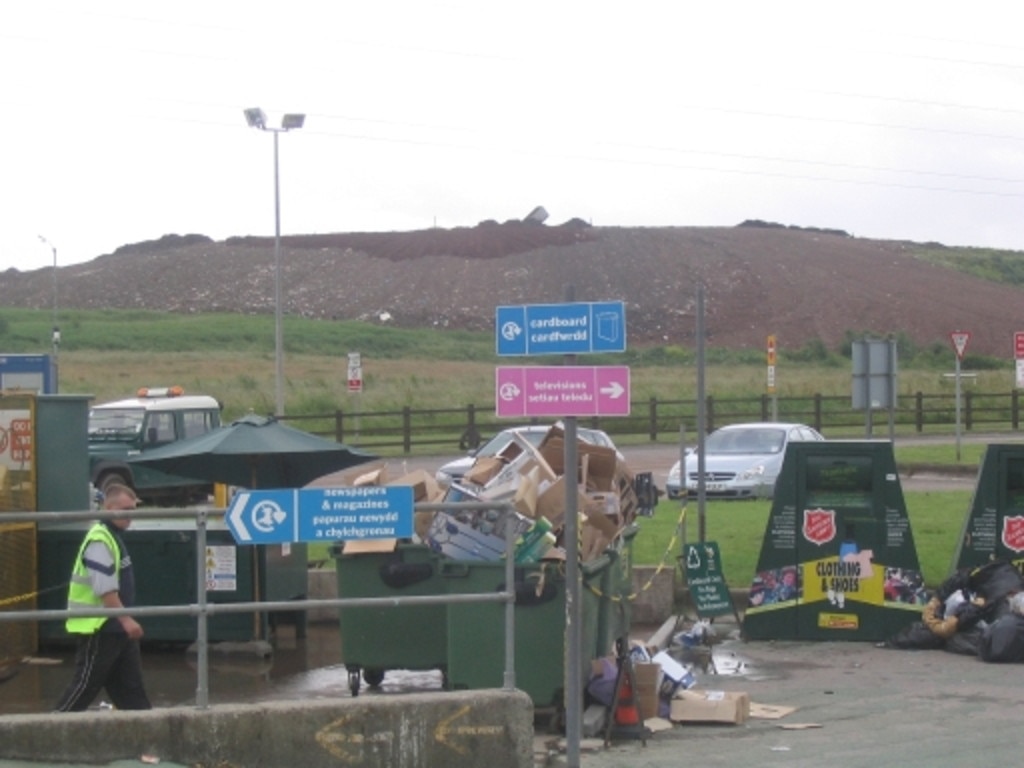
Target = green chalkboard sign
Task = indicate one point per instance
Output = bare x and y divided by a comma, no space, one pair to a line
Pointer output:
706,579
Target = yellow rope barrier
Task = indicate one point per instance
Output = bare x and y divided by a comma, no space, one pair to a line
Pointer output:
661,566
4,601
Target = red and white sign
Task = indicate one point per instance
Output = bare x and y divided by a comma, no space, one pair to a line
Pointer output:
355,372
562,390
1018,345
21,440
960,339
15,438
1013,532
819,525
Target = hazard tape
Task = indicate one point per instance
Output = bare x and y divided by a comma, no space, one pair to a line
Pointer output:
4,601
661,566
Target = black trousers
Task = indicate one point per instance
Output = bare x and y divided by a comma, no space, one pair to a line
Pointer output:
106,660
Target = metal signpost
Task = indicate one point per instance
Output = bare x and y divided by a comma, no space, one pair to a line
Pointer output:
321,514
959,339
1018,356
874,380
355,372
565,392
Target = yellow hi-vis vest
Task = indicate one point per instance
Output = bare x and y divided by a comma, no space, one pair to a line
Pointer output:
80,594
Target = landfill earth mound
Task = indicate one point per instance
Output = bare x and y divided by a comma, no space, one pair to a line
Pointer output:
805,286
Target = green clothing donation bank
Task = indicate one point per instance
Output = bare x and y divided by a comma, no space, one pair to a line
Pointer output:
837,560
994,527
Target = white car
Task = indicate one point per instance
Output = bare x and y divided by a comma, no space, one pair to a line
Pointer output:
453,471
741,461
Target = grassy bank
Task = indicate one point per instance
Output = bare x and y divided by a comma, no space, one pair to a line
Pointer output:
109,354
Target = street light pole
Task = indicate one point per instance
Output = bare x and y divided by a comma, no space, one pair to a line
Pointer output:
56,329
278,327
256,118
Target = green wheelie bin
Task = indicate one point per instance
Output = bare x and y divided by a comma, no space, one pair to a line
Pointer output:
376,639
476,631
611,581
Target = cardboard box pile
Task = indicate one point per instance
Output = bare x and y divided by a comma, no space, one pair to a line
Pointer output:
534,480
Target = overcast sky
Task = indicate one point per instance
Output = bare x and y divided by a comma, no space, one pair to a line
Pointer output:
122,121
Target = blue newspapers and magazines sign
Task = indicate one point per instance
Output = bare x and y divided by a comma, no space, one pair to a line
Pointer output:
321,514
561,329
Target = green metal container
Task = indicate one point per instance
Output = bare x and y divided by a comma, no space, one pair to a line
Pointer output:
376,639
609,579
476,631
62,453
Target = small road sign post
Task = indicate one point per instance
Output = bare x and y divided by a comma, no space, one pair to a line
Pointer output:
959,340
1018,358
355,372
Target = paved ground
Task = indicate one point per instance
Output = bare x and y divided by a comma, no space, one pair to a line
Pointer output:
854,705
864,707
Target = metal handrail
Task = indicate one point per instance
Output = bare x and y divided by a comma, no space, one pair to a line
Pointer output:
203,609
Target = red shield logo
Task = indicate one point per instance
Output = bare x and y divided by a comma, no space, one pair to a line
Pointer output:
1013,533
819,525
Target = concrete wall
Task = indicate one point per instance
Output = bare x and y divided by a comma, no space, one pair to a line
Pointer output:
451,729
655,594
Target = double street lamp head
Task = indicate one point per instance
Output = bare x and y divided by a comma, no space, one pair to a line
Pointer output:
257,118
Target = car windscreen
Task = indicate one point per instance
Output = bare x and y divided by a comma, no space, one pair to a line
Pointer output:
762,440
594,437
115,423
497,444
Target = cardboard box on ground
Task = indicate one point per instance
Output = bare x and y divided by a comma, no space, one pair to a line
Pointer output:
533,480
710,707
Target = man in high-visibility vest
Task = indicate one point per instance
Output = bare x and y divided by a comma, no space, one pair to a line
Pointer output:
107,655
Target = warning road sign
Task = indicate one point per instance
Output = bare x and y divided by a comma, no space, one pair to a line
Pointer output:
960,339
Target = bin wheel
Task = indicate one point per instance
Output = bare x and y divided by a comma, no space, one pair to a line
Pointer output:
354,681
373,677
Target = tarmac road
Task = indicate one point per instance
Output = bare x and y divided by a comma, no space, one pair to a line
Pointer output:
658,459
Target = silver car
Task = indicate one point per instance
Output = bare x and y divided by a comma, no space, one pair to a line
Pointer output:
741,461
453,471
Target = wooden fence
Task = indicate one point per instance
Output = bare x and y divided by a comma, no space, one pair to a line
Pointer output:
450,429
